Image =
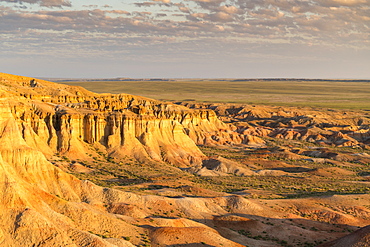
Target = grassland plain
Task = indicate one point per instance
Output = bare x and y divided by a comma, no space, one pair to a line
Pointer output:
338,94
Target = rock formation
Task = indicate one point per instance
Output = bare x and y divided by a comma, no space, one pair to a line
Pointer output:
44,206
63,119
330,127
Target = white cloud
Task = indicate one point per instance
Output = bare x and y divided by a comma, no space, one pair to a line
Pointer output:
46,3
89,31
162,1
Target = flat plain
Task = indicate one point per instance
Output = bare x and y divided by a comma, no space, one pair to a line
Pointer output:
338,94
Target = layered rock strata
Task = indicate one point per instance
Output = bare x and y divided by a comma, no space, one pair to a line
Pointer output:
43,206
62,119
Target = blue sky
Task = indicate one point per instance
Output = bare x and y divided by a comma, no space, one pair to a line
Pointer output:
186,39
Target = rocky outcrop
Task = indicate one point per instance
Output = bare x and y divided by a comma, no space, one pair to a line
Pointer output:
43,206
67,120
219,166
325,127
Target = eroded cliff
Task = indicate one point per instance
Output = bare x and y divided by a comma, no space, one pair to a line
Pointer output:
66,120
44,206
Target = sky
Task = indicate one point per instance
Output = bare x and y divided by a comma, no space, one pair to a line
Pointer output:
186,39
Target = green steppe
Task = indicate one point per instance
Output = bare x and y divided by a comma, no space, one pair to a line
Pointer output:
328,94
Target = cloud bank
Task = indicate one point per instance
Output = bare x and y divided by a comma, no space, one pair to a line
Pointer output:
170,25
46,3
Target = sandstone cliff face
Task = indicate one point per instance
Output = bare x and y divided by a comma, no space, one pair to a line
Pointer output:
43,206
66,120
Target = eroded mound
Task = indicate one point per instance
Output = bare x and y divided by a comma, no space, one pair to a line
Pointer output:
357,239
